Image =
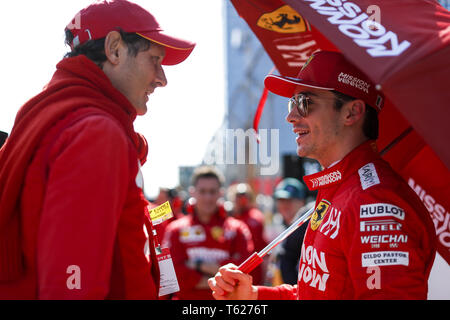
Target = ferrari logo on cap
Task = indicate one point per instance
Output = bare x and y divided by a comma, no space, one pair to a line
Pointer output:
319,214
283,20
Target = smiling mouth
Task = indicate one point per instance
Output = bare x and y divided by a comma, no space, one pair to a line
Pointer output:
301,133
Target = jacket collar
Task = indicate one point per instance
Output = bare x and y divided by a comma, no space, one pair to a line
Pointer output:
334,175
70,71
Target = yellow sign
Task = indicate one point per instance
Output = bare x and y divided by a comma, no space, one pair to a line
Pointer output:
319,213
161,213
283,20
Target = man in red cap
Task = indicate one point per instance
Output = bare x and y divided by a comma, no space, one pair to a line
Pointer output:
72,208
370,237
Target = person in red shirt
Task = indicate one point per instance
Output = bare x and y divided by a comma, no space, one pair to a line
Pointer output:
242,197
205,238
72,208
370,237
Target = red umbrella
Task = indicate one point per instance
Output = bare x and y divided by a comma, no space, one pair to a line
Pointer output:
403,46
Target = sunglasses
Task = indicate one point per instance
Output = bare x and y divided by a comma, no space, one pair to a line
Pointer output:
299,101
302,102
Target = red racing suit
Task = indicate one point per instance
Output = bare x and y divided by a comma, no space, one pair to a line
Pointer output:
370,237
223,240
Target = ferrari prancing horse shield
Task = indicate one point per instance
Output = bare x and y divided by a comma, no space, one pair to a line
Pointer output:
319,213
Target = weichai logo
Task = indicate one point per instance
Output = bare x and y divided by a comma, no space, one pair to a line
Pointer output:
357,25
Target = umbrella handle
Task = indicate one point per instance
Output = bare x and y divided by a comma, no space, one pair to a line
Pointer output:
257,257
251,263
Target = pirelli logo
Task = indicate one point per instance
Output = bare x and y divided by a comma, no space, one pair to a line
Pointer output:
381,210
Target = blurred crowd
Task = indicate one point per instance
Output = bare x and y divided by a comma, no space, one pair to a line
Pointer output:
213,225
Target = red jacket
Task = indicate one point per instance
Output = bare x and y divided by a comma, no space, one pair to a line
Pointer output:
369,238
81,207
223,240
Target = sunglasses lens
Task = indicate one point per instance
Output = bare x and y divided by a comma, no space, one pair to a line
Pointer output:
300,102
303,106
291,104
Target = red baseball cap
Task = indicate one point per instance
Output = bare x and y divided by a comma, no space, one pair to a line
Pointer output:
328,70
98,19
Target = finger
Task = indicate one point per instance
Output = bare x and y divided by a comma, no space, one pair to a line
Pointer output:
228,266
224,285
234,276
218,296
213,286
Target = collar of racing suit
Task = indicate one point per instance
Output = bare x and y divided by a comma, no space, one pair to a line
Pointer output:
336,174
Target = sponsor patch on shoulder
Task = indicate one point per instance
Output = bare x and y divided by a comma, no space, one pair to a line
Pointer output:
368,176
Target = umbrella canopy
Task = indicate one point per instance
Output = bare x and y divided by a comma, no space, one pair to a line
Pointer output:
404,47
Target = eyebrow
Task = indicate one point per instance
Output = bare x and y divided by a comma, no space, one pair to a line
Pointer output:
308,93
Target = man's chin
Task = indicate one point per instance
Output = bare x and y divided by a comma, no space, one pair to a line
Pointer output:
141,109
301,152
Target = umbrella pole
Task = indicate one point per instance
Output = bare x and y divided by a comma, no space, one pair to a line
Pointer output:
395,141
257,257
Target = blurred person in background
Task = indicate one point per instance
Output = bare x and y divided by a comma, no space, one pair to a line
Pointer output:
290,199
242,197
206,237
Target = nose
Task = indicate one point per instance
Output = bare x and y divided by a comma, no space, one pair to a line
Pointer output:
161,80
293,116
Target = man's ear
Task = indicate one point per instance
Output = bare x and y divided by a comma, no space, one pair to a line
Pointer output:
113,47
353,111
